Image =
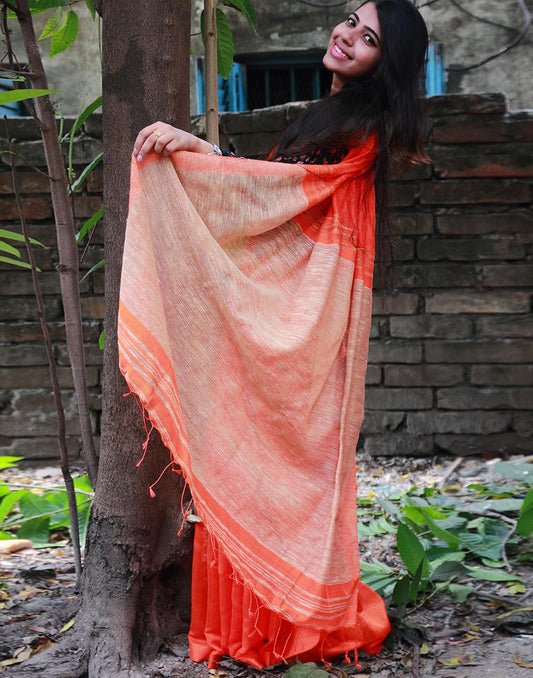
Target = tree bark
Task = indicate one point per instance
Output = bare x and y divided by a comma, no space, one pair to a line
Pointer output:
136,581
136,588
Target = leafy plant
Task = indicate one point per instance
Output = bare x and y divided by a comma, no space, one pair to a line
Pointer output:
38,513
443,537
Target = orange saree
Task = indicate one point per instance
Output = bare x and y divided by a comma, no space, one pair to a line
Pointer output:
248,349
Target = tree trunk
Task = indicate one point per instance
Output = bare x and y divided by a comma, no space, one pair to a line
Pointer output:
136,582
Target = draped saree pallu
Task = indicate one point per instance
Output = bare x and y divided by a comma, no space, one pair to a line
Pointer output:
243,329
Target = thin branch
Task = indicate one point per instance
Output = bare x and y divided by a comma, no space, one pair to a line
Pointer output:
60,412
8,5
44,488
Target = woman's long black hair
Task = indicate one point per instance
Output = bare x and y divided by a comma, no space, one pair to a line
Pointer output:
387,102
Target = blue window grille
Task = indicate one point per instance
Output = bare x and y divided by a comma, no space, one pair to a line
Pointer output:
231,92
435,80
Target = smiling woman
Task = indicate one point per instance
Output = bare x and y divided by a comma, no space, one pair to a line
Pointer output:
354,48
248,346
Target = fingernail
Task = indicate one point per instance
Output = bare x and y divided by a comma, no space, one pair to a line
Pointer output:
135,151
139,158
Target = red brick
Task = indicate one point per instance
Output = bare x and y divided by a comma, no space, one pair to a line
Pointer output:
33,209
27,182
502,444
470,398
394,352
399,445
453,104
472,249
497,223
478,302
86,205
507,275
403,195
431,275
498,160
502,375
398,304
406,376
474,192
431,326
475,129
95,181
508,327
435,421
380,398
503,351
413,223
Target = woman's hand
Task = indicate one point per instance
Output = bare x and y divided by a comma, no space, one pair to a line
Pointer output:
165,139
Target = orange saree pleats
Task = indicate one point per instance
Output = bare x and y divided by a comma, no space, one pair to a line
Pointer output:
229,619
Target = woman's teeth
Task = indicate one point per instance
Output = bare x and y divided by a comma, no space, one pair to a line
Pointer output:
338,51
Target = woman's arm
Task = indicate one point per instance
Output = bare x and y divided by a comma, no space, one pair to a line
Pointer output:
163,138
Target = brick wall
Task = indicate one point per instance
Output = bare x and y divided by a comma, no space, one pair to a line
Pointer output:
451,358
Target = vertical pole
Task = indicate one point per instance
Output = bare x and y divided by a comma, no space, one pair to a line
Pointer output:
211,71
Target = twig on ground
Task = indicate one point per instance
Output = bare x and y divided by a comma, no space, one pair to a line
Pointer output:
450,471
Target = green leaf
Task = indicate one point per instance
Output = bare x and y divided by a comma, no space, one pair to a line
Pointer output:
490,575
504,505
9,502
52,25
4,247
448,569
94,268
11,235
487,546
307,670
65,34
225,48
79,181
524,527
445,535
9,462
246,7
401,592
82,117
35,530
460,592
101,340
91,8
31,506
83,483
13,95
15,262
411,550
516,470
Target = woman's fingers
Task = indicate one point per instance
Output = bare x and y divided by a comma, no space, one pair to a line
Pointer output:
163,138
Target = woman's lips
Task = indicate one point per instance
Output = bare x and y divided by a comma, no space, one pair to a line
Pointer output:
338,53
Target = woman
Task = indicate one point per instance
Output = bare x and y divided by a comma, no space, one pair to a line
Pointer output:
248,345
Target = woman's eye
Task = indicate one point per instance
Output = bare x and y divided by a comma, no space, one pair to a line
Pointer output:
351,22
369,40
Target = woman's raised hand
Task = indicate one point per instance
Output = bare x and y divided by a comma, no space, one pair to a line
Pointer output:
163,138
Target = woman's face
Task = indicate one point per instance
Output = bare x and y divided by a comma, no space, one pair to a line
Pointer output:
354,48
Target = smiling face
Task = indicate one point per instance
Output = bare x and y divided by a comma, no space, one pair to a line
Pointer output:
354,48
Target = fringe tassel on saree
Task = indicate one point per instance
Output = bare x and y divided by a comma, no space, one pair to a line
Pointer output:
243,328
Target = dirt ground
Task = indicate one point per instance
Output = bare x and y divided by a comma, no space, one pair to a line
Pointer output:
442,639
